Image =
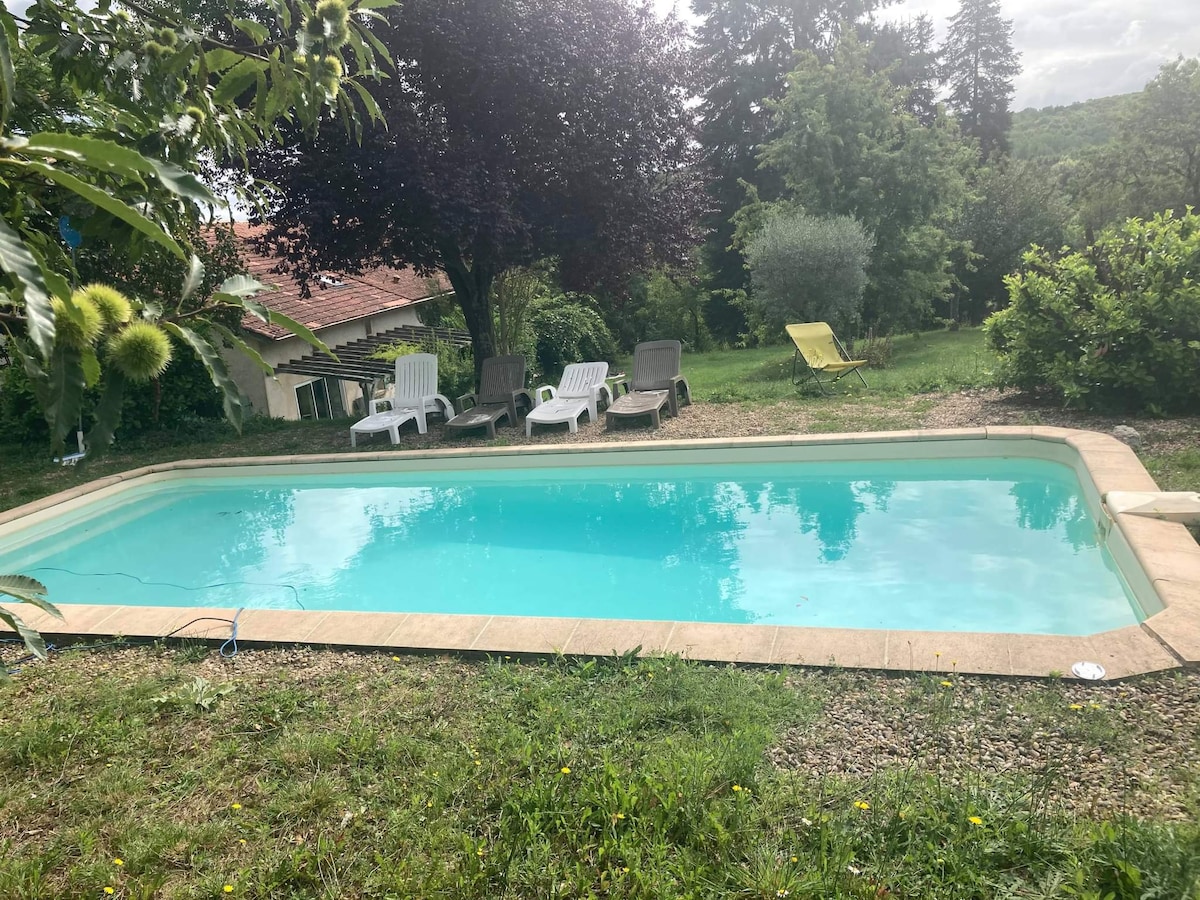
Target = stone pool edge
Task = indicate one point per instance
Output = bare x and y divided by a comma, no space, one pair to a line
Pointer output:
1165,551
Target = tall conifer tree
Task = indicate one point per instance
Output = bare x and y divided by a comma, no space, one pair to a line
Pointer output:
978,67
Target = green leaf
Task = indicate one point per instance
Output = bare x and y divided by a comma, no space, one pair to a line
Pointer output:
8,80
66,386
195,275
376,44
236,80
107,411
253,355
219,60
109,156
240,286
278,318
19,261
375,4
256,31
95,153
33,592
108,203
91,367
181,183
234,400
34,642
28,590
368,102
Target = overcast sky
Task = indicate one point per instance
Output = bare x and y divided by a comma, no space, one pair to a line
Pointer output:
1078,49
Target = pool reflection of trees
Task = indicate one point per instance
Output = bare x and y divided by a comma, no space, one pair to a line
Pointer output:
694,523
1045,505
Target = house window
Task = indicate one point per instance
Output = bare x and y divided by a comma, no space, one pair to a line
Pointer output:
320,398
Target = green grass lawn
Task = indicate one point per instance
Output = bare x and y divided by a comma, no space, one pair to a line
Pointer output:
933,361
333,776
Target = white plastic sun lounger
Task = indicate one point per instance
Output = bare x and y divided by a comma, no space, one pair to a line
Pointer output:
413,396
416,388
389,420
579,390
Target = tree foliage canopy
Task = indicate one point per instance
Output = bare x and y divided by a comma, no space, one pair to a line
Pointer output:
118,111
516,131
744,50
978,67
809,269
848,147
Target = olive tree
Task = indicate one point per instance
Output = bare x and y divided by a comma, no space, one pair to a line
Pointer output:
809,268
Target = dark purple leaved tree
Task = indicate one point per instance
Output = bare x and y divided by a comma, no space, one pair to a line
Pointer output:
515,131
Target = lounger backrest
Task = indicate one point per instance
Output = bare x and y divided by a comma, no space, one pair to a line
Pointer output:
815,342
579,379
655,364
416,378
501,376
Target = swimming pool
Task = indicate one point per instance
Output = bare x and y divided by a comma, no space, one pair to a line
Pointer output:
994,544
875,550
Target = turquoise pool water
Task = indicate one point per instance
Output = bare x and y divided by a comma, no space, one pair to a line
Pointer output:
996,545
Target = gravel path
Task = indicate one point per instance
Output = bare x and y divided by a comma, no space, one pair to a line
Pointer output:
954,410
1131,747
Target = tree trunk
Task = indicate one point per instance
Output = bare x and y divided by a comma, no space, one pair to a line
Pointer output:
473,290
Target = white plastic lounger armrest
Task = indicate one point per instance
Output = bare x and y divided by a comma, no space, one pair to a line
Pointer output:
374,404
537,394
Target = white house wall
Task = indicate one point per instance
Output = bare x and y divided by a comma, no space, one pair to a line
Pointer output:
276,396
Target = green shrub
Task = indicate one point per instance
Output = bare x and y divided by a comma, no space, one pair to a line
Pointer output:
568,328
177,401
456,366
809,269
1115,326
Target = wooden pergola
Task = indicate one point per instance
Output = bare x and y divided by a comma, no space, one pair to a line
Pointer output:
353,362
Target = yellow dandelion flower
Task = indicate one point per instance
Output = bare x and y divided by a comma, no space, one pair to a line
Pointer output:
625,869
737,788
108,890
566,770
118,861
620,815
795,859
975,820
235,806
228,889
478,763
903,814
1076,706
395,659
429,805
242,841
861,804
947,683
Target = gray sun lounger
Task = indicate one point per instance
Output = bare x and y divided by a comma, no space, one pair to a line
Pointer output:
501,389
656,382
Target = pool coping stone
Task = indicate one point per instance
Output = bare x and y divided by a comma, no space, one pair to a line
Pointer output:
1168,639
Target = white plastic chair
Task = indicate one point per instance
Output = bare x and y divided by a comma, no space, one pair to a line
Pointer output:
579,390
416,388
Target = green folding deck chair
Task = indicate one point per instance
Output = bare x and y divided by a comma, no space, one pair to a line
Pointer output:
818,348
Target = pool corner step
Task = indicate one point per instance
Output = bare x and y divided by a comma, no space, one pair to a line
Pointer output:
1173,506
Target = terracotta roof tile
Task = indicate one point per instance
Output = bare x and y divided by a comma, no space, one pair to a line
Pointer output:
334,298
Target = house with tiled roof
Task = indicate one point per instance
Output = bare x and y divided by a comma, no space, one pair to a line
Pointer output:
341,309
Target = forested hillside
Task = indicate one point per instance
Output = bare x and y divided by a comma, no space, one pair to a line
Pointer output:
1055,132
